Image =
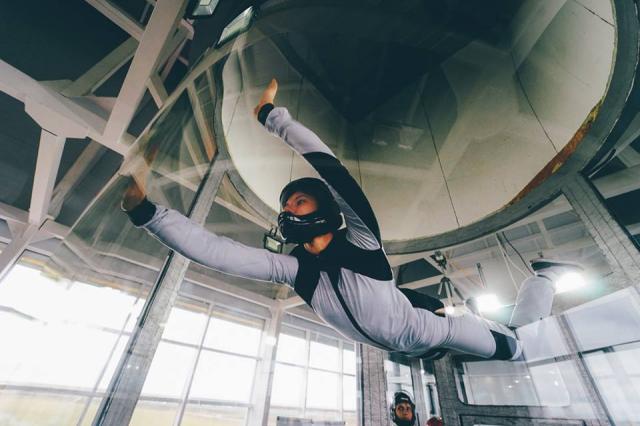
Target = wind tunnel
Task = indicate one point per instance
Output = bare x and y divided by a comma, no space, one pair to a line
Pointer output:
447,113
457,119
444,111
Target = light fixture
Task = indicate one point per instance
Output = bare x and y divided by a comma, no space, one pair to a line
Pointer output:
240,24
201,8
488,303
449,310
570,281
272,241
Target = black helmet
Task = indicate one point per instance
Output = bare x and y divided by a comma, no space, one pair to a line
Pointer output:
302,229
398,398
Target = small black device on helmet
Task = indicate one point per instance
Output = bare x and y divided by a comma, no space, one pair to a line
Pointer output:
302,229
398,398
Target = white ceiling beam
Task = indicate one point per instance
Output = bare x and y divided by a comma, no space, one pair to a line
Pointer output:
184,24
629,157
206,132
78,171
103,70
291,302
620,182
72,118
157,90
47,165
157,34
119,17
15,248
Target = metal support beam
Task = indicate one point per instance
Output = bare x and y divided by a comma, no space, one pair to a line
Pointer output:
126,385
47,165
264,376
159,30
611,238
373,407
119,17
54,112
13,251
157,90
92,79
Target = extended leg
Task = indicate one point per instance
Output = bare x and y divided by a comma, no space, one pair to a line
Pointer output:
535,297
422,301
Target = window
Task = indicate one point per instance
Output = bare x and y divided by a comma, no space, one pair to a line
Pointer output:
61,340
204,367
314,376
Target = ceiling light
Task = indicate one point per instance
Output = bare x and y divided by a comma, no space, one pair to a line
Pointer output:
202,8
488,303
570,281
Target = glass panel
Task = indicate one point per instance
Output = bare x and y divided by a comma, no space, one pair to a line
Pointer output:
349,361
288,386
324,353
292,349
42,319
211,415
169,371
223,377
613,347
185,326
159,413
404,122
39,407
398,375
238,336
349,393
322,390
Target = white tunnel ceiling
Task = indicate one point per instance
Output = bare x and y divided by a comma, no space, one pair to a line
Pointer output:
447,120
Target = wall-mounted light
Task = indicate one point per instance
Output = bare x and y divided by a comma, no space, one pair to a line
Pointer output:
272,241
570,281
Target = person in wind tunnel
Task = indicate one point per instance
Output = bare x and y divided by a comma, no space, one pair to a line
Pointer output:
338,265
403,409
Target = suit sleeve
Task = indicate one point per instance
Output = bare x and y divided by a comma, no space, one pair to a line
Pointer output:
223,254
362,226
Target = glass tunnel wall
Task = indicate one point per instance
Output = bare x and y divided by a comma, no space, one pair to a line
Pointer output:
450,113
65,321
579,363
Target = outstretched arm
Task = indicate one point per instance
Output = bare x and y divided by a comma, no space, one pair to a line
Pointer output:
362,226
206,248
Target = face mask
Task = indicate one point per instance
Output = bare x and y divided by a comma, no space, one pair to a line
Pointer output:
302,229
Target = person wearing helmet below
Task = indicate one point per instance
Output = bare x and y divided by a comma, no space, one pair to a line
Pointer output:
403,410
342,273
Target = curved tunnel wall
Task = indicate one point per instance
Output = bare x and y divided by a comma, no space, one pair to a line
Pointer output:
449,145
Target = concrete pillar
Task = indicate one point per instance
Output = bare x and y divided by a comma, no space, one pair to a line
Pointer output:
126,385
372,387
614,242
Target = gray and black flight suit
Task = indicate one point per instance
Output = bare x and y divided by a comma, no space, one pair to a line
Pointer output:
350,284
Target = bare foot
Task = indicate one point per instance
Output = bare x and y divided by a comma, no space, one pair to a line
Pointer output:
268,96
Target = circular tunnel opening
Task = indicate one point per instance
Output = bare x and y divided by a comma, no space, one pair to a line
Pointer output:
444,112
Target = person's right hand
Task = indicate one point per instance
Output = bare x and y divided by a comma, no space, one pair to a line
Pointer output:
268,96
136,190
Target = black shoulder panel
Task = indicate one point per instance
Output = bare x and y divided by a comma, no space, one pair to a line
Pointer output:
308,274
338,177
